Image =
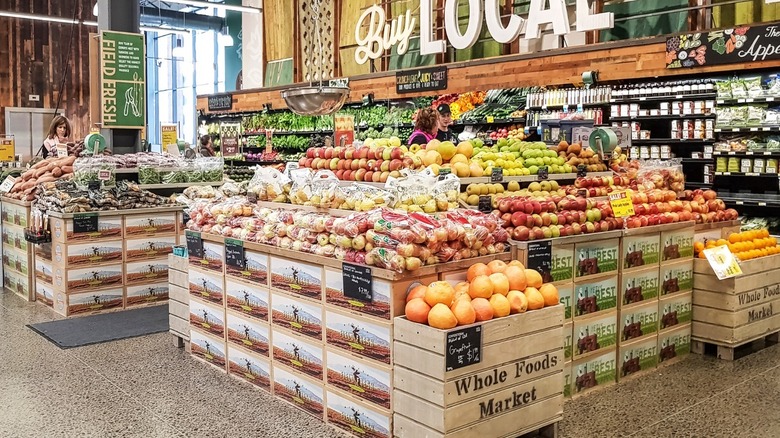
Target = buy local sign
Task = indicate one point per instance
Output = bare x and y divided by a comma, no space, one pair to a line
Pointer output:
374,35
122,80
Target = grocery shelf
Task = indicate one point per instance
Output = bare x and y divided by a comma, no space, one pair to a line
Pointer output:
532,178
178,185
749,129
746,154
507,121
667,117
747,100
254,134
751,199
666,98
570,106
383,126
256,162
696,160
697,185
752,174
654,141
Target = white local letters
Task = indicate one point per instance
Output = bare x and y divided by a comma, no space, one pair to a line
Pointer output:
374,34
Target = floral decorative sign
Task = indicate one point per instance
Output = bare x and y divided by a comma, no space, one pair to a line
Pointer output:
727,46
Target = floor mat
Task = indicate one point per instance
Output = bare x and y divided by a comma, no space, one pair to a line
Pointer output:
107,327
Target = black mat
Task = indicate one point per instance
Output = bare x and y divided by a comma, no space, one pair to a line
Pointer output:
112,326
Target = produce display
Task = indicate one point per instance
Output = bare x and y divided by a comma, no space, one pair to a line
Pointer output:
179,171
285,121
87,170
239,173
48,170
492,290
499,104
745,245
66,197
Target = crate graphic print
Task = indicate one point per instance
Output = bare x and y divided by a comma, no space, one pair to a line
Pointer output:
299,391
254,370
595,297
596,258
298,354
639,286
334,294
594,334
366,382
107,227
146,271
87,278
249,334
358,336
296,277
92,302
356,419
597,371
638,356
150,248
256,269
639,321
250,301
85,254
206,286
44,293
15,261
147,294
641,250
143,225
208,349
676,244
297,316
676,310
213,255
43,270
674,343
207,318
677,278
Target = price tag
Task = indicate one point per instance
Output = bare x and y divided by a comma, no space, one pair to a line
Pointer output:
93,185
443,172
7,184
173,149
580,108
753,129
621,204
62,150
566,108
740,100
358,282
485,204
582,171
497,176
723,262
766,129
762,204
104,175
749,100
543,173
770,99
194,245
540,257
234,253
642,99
85,223
490,119
464,347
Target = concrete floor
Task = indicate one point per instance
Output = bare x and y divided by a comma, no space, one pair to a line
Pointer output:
147,388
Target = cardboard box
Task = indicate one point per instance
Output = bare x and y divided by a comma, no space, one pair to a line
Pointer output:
677,277
298,315
562,263
43,251
206,286
249,333
251,301
676,310
677,244
85,303
639,285
298,353
256,268
84,279
296,277
151,224
357,418
15,214
674,343
638,321
594,371
146,271
70,255
44,293
594,334
568,340
146,294
147,248
207,318
109,227
637,356
566,297
208,349
594,296
43,271
213,257
18,284
12,259
361,379
567,380
641,250
305,394
14,237
360,336
599,257
250,367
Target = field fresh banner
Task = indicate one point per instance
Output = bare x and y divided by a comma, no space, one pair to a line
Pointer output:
122,80
729,46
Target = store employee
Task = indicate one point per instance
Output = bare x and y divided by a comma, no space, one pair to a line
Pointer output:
445,120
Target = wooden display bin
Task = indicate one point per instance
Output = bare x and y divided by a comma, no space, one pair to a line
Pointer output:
515,387
717,230
179,299
18,264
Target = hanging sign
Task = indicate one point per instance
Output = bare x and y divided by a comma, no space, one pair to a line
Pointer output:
169,135
220,102
729,46
723,262
122,79
228,137
424,79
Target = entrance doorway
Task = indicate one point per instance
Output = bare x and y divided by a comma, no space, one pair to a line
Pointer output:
29,127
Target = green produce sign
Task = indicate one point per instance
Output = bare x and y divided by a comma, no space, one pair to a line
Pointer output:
122,80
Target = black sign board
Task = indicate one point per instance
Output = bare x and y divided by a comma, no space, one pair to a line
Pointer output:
540,257
582,171
358,282
497,175
220,102
234,253
731,46
424,79
194,244
543,173
85,223
93,185
185,217
464,347
485,204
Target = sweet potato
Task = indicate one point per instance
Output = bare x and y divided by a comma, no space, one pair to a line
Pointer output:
40,172
46,178
68,161
67,169
57,172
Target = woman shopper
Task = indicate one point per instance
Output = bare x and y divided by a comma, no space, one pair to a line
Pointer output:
426,127
206,147
59,133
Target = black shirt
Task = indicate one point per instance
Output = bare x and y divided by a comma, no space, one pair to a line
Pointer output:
445,135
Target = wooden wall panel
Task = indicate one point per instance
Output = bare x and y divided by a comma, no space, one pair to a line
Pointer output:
37,54
279,32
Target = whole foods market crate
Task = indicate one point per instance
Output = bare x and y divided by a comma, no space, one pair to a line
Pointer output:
18,267
515,386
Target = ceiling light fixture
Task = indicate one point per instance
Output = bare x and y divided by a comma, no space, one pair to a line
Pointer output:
26,16
224,7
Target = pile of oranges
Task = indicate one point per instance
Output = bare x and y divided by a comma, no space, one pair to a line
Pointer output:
492,290
746,245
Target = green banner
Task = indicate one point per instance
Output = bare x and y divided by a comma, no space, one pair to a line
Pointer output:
122,79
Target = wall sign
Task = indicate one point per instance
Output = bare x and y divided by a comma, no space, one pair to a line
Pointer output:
464,347
374,34
424,79
220,102
729,46
123,79
169,135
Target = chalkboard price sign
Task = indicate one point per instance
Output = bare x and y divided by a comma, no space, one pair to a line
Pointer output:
234,253
220,102
424,79
497,176
358,282
85,223
464,347
540,257
582,171
544,173
485,204
194,245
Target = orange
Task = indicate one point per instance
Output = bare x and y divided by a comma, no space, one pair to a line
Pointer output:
481,287
482,308
518,303
698,246
464,312
441,317
496,266
533,278
416,292
516,263
439,292
733,238
550,294
535,298
476,270
500,306
721,242
500,283
417,310
516,276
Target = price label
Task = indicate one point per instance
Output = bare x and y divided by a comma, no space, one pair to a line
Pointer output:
464,348
490,119
93,185
621,204
485,204
62,150
7,184
194,245
582,171
85,223
543,173
723,262
104,175
443,172
358,282
540,257
234,253
497,176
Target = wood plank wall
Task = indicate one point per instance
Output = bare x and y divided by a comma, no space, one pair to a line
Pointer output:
36,54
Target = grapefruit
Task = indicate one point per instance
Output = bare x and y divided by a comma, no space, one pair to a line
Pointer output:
500,283
481,287
518,303
439,292
550,294
482,309
417,310
476,270
464,312
500,306
416,292
441,317
533,278
516,276
535,298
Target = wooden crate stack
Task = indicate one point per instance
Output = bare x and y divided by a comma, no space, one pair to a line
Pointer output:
17,252
178,300
516,386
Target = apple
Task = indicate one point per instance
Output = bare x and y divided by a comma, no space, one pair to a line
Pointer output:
396,154
340,174
396,164
521,233
576,228
518,219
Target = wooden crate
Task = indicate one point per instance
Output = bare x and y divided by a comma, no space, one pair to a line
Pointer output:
44,293
249,367
641,248
256,272
17,253
594,371
516,387
209,349
178,278
716,230
297,314
177,263
213,257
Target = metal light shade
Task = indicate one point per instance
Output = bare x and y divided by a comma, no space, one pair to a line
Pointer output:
315,100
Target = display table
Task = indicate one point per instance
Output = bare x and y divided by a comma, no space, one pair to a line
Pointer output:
17,252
